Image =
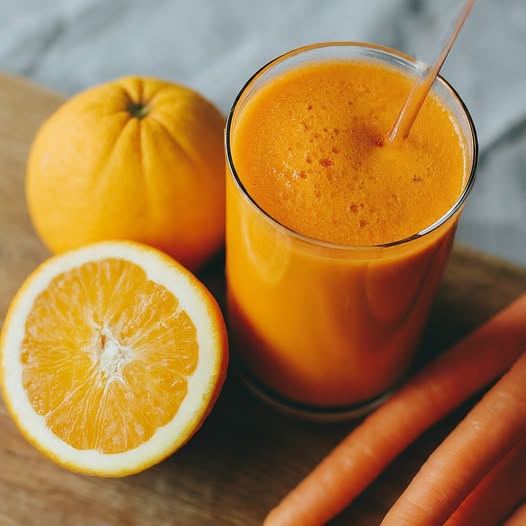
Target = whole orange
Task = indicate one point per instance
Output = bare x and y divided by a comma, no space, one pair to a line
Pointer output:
136,158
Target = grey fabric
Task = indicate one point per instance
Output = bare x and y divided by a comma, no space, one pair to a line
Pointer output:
214,46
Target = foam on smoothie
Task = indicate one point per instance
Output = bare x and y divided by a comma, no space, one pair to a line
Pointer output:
308,149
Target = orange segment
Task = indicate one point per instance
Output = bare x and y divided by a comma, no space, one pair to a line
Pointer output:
108,355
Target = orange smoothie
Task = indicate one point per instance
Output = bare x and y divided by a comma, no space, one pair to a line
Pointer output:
330,278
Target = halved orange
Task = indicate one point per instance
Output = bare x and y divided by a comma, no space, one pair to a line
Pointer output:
112,356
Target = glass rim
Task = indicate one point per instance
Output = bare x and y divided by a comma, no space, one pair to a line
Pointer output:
337,246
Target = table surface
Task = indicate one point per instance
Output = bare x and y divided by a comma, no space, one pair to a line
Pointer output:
215,46
245,457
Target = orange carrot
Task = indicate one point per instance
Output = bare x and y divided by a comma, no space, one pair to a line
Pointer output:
430,395
499,492
518,518
494,426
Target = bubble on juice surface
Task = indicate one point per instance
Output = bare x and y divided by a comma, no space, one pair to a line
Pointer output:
354,208
299,174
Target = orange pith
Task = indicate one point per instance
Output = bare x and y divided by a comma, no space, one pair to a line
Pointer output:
106,356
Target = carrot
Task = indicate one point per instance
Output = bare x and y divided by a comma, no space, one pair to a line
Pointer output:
425,399
494,426
518,518
499,492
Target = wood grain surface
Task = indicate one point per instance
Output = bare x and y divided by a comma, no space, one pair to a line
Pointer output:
246,456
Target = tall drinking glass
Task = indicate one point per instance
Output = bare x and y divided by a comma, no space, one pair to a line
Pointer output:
322,329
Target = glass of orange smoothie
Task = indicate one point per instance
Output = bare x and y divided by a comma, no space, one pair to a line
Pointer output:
337,241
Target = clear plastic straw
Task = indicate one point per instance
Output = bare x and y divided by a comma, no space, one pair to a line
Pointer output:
423,83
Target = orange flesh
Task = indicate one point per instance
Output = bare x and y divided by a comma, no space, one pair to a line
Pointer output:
308,149
109,367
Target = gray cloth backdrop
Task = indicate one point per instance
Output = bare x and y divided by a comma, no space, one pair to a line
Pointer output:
214,46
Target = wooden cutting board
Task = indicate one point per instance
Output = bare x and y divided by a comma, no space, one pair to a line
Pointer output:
246,456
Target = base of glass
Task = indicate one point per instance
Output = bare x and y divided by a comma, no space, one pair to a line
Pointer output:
306,411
